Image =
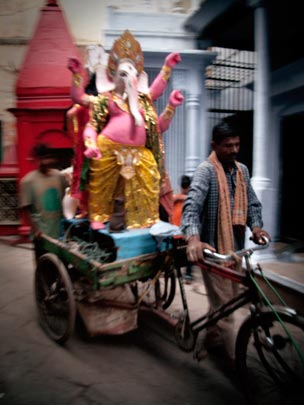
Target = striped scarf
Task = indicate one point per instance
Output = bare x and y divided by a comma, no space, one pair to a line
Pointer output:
226,221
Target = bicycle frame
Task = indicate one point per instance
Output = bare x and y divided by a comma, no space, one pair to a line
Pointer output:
269,339
250,295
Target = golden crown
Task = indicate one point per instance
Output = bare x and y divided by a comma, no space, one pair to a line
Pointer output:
125,47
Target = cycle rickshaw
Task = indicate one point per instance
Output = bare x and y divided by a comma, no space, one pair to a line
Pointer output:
270,341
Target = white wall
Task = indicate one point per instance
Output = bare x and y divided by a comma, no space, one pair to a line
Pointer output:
18,20
86,21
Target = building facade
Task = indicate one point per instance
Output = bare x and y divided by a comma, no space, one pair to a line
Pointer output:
189,122
232,63
270,29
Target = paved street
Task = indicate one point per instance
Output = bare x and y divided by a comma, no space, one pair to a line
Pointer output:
144,366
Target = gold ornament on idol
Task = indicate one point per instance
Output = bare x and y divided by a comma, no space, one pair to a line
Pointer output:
125,47
77,79
89,143
166,72
169,112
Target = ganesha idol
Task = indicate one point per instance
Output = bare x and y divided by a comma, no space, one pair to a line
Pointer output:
123,137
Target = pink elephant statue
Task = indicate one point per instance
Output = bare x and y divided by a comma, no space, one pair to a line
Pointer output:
123,137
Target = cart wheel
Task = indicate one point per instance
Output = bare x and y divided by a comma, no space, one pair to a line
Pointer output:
165,288
54,298
270,356
184,336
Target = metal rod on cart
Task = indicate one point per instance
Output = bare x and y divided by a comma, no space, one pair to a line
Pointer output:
162,314
79,255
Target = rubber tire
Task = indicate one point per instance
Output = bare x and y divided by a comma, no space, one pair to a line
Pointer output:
56,307
170,285
260,372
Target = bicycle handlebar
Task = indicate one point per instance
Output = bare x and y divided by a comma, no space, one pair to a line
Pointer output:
240,253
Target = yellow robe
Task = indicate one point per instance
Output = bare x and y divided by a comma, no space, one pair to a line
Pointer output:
123,170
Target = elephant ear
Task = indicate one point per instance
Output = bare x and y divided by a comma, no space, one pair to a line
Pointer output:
95,55
143,83
97,61
103,83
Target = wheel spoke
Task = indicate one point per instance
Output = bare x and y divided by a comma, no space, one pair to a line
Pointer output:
267,358
54,297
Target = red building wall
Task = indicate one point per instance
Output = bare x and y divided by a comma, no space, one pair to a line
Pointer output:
43,90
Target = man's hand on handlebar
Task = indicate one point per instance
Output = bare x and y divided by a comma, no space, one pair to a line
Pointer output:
259,235
195,248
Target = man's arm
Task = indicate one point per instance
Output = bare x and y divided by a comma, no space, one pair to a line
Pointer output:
27,215
192,211
26,203
258,234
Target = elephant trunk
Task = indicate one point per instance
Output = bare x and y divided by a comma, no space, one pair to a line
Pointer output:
132,93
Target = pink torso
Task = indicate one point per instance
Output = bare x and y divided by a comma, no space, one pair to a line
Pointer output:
122,129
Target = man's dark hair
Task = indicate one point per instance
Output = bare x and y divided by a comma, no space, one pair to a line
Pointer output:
185,181
223,130
42,150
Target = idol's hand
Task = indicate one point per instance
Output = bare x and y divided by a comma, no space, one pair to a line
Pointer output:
172,59
74,65
176,98
92,153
